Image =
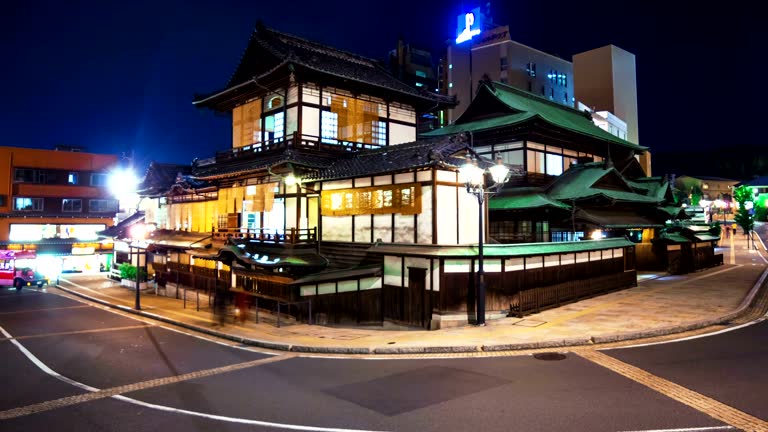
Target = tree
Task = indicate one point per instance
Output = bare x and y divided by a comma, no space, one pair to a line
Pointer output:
744,218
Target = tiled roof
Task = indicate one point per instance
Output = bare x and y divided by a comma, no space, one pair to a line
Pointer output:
402,157
160,177
526,106
524,201
242,166
579,182
269,50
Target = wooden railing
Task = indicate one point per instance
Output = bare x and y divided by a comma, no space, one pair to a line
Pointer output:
268,235
536,299
293,141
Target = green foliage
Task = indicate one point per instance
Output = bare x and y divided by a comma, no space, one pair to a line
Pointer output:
128,271
761,213
745,220
742,194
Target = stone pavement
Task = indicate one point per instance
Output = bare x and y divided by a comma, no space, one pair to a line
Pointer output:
661,304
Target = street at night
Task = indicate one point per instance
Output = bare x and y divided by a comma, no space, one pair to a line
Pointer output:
79,366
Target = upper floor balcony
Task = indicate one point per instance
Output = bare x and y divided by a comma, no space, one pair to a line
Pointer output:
269,235
297,141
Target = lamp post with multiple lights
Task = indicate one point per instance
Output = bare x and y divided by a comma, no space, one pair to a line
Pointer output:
474,178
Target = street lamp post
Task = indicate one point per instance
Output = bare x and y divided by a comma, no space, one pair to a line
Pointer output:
473,177
138,234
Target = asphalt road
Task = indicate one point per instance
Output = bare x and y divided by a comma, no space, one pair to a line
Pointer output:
213,386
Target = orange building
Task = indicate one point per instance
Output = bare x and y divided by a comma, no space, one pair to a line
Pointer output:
54,202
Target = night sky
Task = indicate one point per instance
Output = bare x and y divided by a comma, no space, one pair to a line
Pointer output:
117,77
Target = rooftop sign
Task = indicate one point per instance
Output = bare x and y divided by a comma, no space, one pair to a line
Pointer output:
468,25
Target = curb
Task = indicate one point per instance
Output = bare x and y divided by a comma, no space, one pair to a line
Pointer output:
455,349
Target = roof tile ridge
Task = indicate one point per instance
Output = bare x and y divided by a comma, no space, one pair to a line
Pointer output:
317,45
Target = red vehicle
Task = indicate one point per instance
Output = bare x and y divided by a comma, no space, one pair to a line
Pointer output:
17,269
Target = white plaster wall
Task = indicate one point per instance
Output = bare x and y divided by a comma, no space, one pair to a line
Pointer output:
457,266
291,120
399,134
382,227
513,264
290,213
447,176
551,260
418,263
468,217
404,178
348,285
293,94
393,271
337,228
492,265
404,225
362,182
337,184
363,229
424,176
435,274
424,221
370,283
310,121
446,215
382,180
326,288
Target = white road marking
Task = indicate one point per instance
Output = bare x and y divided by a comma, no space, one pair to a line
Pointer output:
42,366
699,429
730,329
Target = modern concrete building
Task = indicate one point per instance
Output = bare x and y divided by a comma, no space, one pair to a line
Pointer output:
605,80
54,202
492,54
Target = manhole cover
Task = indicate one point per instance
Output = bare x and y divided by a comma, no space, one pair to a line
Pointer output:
549,356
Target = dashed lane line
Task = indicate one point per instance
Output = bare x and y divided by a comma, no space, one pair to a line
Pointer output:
698,401
96,394
108,329
42,310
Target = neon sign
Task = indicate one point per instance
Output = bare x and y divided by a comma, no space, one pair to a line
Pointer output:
468,25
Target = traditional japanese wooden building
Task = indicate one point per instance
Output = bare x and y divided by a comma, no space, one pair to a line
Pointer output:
326,195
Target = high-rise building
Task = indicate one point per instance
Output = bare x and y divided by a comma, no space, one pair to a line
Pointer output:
482,49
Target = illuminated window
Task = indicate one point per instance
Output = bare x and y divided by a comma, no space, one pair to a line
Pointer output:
329,127
274,127
72,178
421,74
450,85
275,102
28,204
450,66
530,69
72,205
418,84
554,164
379,132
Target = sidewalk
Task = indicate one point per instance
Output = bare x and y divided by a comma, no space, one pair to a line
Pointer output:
659,305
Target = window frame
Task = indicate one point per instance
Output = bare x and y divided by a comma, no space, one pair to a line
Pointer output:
41,201
72,200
